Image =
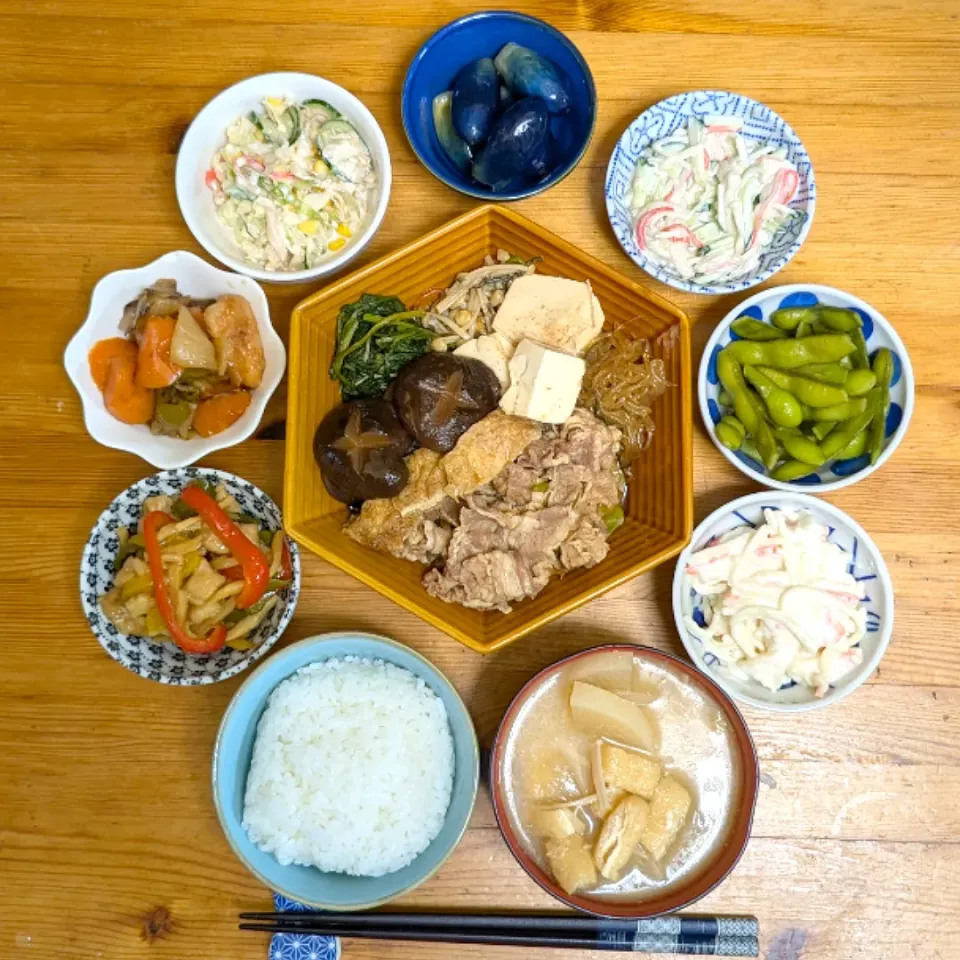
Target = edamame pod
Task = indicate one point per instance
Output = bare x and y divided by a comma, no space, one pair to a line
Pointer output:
839,319
836,412
724,399
811,392
747,407
790,354
855,448
883,370
847,430
783,407
730,433
805,327
860,382
824,372
789,318
801,448
860,357
823,428
792,470
750,329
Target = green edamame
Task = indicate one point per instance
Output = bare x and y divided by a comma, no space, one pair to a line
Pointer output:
805,327
811,392
839,319
855,448
860,357
847,430
749,448
824,372
838,411
789,318
731,433
783,407
883,370
724,399
792,470
790,354
747,406
821,429
860,382
750,329
801,448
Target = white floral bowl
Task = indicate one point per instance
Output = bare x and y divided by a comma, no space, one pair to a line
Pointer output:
196,278
207,134
164,662
877,331
760,123
865,563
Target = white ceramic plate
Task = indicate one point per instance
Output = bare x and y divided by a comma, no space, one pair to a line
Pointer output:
207,134
198,279
878,332
865,563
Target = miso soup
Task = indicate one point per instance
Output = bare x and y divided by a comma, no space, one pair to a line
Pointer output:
621,776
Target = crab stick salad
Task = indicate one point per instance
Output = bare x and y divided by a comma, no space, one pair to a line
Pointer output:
292,183
779,604
706,201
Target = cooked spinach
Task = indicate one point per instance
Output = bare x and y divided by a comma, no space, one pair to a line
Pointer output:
376,337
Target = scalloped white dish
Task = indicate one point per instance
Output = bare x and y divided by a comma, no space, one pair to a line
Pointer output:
197,278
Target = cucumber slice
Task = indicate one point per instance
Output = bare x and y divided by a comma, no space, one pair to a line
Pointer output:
291,120
344,151
330,109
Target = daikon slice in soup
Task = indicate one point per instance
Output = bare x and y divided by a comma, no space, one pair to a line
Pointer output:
621,776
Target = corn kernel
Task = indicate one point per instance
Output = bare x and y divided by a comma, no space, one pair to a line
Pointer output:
344,230
275,101
309,227
320,167
337,244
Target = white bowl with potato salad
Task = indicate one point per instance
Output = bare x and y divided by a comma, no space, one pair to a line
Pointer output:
284,177
784,601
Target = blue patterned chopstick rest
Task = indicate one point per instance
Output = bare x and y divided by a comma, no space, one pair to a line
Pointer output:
300,946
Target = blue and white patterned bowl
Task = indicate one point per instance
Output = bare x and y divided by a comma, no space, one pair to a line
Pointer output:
877,331
759,123
865,563
164,662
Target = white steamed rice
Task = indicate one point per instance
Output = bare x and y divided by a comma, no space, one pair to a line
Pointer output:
352,768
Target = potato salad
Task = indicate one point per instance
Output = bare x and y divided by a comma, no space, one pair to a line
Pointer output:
292,183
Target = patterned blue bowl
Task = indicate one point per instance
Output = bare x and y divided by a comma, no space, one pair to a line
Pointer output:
865,563
164,662
478,35
877,331
231,764
759,123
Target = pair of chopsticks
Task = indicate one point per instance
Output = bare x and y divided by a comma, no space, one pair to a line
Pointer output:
686,935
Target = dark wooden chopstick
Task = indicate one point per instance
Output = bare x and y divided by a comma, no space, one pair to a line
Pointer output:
702,936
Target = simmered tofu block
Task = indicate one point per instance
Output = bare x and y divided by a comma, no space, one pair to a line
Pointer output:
556,822
604,714
570,863
629,770
619,836
669,808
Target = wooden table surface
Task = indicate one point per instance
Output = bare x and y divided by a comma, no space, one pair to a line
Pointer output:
109,845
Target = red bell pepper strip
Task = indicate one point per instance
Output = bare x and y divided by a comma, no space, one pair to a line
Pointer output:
217,637
255,566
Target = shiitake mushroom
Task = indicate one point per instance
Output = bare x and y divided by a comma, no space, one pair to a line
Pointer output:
359,447
439,396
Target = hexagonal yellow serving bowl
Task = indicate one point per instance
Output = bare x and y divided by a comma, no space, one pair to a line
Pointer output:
659,508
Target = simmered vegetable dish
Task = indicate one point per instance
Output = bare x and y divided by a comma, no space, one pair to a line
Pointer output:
197,571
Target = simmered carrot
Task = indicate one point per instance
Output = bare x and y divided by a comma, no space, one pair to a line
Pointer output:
218,413
106,350
123,398
154,368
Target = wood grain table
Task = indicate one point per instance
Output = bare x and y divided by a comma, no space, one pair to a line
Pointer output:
109,845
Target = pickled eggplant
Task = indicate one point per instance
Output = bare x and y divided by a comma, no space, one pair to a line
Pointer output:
516,147
476,96
455,148
527,74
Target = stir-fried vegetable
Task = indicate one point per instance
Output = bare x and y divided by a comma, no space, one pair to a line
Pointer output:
376,336
199,571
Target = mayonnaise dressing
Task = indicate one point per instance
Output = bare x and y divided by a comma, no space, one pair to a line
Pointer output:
779,603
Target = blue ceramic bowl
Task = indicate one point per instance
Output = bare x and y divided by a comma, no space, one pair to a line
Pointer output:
231,762
759,123
877,331
478,35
